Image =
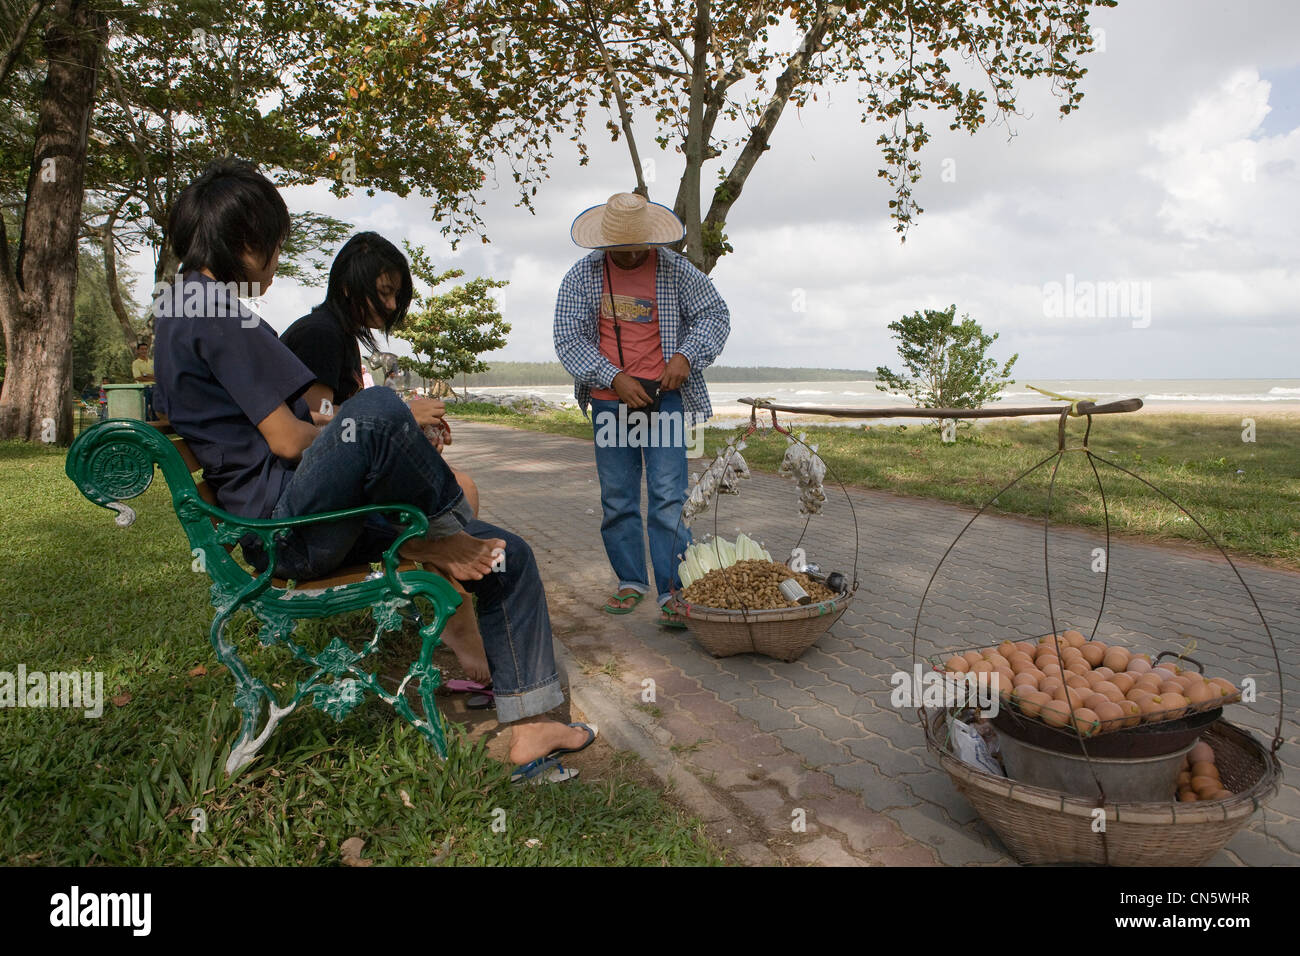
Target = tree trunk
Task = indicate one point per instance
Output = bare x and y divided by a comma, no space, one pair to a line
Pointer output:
38,295
689,192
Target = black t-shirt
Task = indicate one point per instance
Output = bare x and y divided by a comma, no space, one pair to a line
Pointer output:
220,369
331,352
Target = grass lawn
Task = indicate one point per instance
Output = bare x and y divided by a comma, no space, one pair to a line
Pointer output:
78,593
1246,493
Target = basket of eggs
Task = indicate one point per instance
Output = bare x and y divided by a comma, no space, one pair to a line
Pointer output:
734,598
1108,756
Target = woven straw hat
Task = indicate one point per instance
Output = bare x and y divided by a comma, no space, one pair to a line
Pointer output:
627,221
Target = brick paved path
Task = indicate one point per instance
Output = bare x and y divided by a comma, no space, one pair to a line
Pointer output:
819,734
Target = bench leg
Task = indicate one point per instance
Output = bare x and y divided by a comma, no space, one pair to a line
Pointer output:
250,693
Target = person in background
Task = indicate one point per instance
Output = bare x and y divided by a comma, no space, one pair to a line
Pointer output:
633,316
234,392
103,400
142,371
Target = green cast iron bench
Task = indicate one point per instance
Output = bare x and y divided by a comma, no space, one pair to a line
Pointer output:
114,461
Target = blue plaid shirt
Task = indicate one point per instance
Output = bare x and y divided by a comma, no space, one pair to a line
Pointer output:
693,320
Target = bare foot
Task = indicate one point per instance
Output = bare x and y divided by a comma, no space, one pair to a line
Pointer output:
460,556
462,635
536,739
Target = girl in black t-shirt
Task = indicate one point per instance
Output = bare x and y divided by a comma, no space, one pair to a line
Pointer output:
370,290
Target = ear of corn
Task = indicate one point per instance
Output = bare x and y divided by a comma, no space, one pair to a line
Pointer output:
701,558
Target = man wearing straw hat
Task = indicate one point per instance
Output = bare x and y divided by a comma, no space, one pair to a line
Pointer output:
636,325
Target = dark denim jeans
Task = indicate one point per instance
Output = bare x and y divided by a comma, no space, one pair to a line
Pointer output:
620,464
374,453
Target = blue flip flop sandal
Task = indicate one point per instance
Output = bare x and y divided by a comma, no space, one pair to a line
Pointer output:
591,729
546,769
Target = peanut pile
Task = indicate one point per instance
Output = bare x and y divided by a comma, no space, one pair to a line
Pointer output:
751,584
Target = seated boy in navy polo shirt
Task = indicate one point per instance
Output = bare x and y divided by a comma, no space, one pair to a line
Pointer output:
234,392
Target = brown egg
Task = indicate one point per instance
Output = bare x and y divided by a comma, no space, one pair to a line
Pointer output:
1171,687
1104,671
982,667
1204,768
1093,652
1050,684
1111,692
997,660
1046,655
1084,720
1218,795
1093,699
1153,708
1026,647
1175,705
1018,659
1073,696
1025,679
1149,682
1201,752
1227,688
1165,670
1138,666
1093,678
1124,682
1132,712
1187,796
1203,785
1055,713
1110,714
973,657
1139,694
1050,640
1079,667
1052,670
1074,638
1203,696
1005,680
1116,659
1077,680
958,665
1184,779
1006,648
1031,703
1071,654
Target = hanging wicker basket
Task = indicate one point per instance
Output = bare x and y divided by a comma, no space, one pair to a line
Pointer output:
1042,825
1045,826
781,633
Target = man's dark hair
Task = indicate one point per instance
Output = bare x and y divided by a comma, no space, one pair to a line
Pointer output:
230,209
353,276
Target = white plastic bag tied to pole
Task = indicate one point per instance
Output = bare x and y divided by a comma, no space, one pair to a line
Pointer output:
809,472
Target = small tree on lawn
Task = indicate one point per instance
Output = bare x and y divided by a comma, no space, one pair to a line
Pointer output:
449,331
945,362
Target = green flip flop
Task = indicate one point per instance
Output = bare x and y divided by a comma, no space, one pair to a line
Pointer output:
671,618
636,597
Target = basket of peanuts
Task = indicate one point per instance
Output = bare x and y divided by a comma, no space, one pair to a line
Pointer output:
735,598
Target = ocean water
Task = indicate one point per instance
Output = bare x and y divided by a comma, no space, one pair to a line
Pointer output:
1166,394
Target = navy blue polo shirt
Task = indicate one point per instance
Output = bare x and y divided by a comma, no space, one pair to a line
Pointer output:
220,369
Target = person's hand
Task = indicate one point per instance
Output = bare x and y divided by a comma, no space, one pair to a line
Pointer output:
676,372
630,392
427,411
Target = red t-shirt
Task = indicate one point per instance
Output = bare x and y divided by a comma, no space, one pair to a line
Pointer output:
638,322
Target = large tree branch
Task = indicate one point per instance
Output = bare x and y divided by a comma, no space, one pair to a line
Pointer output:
108,243
20,40
625,116
728,191
137,143
689,190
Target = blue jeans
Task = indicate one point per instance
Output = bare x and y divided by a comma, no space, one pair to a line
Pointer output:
374,453
621,456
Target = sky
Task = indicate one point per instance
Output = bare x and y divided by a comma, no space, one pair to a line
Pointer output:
1150,234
